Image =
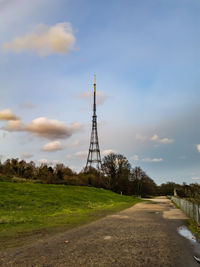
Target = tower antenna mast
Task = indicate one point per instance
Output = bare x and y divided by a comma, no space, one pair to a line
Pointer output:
94,156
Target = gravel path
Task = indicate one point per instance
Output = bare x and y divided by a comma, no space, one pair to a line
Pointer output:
144,235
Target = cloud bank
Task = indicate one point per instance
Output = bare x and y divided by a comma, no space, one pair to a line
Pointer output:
152,160
57,39
156,138
44,128
14,126
48,162
50,129
195,178
52,146
7,115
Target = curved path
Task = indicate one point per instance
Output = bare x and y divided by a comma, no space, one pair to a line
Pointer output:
144,235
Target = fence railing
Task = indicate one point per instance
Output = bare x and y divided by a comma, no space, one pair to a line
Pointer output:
192,210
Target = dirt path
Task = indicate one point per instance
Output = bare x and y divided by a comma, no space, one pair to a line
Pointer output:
144,235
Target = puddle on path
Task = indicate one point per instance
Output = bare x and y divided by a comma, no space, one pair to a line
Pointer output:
185,232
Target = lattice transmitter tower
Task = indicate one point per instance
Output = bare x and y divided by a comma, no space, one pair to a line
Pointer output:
94,156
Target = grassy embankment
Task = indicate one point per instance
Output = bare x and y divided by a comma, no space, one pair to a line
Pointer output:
28,209
193,227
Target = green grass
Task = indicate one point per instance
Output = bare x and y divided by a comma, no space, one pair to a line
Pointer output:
28,209
193,227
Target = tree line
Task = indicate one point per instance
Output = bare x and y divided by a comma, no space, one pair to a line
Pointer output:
190,192
116,174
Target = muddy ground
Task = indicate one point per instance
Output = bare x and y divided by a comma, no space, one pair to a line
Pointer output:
144,235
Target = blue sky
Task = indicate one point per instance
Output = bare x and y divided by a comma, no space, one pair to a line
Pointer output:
146,55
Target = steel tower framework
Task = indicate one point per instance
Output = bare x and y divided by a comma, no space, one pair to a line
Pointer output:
94,156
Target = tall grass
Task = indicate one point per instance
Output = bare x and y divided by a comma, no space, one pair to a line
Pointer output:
27,207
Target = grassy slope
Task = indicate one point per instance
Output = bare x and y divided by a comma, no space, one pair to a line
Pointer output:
193,227
27,208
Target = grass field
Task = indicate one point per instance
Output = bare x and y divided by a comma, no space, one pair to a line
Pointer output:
28,209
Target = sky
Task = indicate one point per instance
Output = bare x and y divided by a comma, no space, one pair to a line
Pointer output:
146,57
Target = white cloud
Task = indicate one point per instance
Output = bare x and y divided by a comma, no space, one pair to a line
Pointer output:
108,151
76,126
7,115
14,126
81,154
52,146
156,138
135,157
195,178
152,160
44,128
26,155
45,40
198,148
51,129
88,95
166,140
140,137
48,162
